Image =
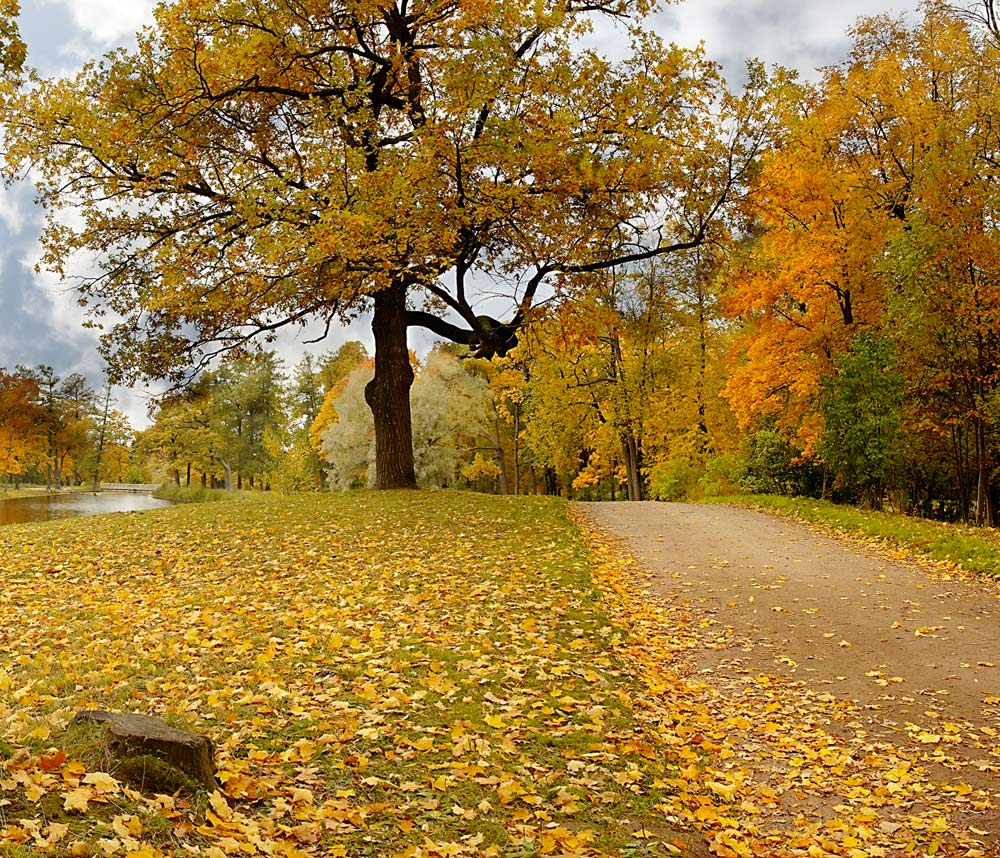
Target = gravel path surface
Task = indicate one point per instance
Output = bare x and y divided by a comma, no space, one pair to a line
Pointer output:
915,649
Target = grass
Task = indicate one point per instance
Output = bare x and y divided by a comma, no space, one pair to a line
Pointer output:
379,672
973,549
190,494
37,491
408,675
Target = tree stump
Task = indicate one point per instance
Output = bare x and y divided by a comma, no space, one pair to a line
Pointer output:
132,739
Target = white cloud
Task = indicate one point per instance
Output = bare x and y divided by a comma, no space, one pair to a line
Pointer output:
801,35
108,21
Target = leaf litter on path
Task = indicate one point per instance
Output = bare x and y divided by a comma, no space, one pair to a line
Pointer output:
815,778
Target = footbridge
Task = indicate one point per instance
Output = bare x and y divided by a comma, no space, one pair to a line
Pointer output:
129,487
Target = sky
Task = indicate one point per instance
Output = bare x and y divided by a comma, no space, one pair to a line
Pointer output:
40,321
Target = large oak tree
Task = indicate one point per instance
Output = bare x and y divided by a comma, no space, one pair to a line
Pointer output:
254,164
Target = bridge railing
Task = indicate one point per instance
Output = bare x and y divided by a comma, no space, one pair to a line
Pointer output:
129,487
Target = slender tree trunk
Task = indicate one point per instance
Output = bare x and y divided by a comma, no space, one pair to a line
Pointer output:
961,473
388,393
630,447
501,459
703,437
100,441
517,450
984,509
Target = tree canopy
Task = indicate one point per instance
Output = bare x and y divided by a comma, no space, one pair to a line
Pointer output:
254,165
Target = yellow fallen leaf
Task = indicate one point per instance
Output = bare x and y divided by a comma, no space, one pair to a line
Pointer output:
76,800
726,791
220,806
102,782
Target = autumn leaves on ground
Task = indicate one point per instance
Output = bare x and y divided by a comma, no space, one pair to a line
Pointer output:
411,674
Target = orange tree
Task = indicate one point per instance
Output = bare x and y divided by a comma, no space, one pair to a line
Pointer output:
255,164
877,217
20,422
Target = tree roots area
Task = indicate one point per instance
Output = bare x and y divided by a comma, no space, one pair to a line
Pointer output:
448,674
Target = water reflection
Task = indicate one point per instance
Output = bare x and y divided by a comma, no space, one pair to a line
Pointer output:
48,507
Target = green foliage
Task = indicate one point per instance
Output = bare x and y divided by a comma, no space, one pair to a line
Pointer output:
136,473
862,408
189,494
721,476
674,480
771,465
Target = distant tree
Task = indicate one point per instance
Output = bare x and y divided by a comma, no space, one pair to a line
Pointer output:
348,441
182,437
244,402
450,416
316,382
117,452
863,420
21,424
68,407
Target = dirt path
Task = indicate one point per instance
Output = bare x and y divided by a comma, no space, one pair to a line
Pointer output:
919,653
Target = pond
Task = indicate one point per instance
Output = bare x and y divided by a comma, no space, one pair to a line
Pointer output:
48,507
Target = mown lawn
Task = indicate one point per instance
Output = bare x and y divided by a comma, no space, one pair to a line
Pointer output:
416,675
382,674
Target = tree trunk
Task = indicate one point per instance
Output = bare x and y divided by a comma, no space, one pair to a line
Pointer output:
984,509
501,459
962,487
100,441
388,393
630,447
517,449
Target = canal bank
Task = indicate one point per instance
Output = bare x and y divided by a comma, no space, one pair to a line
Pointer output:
48,507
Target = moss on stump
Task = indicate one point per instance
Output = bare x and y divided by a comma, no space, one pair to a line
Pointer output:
149,753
